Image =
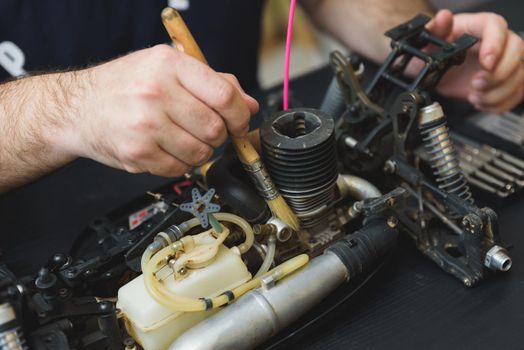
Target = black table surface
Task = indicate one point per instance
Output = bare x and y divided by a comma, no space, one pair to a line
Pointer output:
410,304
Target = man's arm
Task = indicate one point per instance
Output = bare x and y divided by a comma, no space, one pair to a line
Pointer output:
32,123
361,24
156,110
492,78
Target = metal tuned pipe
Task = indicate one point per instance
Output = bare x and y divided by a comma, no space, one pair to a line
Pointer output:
263,312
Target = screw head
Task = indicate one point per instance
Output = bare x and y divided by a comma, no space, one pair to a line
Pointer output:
89,273
121,230
392,222
49,339
471,222
128,341
59,258
105,306
390,167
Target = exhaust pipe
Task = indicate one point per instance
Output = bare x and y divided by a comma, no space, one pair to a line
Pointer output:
263,312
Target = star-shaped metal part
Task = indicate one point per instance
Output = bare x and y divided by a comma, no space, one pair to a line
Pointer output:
201,206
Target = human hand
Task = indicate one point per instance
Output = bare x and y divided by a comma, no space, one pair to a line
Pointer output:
492,76
156,110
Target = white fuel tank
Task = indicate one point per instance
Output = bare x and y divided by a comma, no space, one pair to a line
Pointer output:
155,327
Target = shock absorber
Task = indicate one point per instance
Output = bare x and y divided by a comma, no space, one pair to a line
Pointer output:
443,159
11,336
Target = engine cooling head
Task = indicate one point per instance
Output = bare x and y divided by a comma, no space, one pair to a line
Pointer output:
299,150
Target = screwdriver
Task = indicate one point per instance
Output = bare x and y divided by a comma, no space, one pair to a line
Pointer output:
185,42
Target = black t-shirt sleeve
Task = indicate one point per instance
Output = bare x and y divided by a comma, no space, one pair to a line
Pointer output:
65,34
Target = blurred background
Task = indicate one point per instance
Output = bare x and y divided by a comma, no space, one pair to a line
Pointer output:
310,48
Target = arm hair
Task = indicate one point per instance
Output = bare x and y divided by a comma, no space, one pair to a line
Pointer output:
35,117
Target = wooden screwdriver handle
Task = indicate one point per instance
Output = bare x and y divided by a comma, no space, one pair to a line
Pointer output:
180,34
184,41
245,150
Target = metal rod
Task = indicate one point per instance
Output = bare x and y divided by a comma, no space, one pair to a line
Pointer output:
490,157
435,211
471,171
488,188
486,124
506,156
